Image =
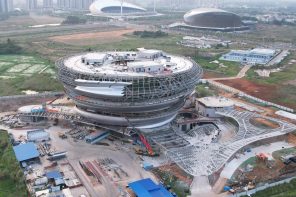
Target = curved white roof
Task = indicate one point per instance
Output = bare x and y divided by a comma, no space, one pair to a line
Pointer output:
216,102
202,11
99,5
176,64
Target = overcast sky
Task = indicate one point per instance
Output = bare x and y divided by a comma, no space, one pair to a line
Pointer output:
190,3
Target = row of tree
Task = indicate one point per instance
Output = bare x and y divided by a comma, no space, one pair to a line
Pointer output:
10,47
9,166
150,34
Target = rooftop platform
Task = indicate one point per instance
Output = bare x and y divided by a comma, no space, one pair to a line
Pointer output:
144,62
147,188
24,152
215,102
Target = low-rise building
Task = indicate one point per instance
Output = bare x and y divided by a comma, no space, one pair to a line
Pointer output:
251,57
147,188
37,136
208,106
26,152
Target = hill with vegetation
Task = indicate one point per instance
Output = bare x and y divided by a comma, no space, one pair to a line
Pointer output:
11,176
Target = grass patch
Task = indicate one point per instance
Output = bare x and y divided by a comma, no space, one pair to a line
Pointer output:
282,152
167,44
170,180
11,176
282,190
203,90
21,72
39,83
229,69
13,63
287,74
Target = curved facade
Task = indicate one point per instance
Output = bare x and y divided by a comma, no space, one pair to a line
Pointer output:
143,89
211,18
114,7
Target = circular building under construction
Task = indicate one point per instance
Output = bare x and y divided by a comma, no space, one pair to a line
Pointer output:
143,89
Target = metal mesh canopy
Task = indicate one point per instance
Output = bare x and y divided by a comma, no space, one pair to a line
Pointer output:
202,158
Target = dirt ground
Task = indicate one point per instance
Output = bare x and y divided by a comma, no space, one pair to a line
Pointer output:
258,90
14,104
92,38
262,91
265,123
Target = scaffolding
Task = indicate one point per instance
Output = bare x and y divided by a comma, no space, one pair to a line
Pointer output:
143,95
199,157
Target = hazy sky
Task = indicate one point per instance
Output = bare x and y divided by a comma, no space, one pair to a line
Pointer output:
190,3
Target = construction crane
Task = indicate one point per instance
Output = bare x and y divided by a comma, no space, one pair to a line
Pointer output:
143,140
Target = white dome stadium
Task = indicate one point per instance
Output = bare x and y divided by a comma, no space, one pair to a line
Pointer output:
114,7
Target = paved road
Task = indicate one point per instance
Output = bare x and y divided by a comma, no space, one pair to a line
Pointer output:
278,58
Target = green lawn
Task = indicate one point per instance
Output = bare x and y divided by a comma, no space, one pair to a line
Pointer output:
39,83
282,152
229,69
167,44
24,72
287,74
285,81
283,190
11,176
15,65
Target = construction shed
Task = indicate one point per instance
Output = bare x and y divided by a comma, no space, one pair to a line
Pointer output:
54,175
25,152
37,136
147,188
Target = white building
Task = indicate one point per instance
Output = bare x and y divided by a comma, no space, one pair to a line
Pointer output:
37,136
252,57
207,106
114,7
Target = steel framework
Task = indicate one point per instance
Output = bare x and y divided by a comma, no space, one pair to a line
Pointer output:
201,159
146,100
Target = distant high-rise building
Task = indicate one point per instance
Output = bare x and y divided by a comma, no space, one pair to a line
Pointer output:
86,4
64,4
47,3
74,4
6,6
77,4
31,4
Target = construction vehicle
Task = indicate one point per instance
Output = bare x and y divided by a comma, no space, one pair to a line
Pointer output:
144,152
149,151
62,135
